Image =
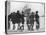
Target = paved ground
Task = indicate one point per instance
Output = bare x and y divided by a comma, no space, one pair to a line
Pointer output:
42,27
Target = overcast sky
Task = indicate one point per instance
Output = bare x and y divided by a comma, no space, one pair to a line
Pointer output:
14,6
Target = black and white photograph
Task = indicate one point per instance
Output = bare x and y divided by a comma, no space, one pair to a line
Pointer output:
25,17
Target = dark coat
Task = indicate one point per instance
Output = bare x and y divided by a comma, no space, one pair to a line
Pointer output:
9,17
37,18
31,19
18,16
15,17
22,17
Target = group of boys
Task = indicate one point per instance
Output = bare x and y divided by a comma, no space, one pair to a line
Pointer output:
18,18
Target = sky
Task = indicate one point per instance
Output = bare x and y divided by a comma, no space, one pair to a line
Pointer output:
14,6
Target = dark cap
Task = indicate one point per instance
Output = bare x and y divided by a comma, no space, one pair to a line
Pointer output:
17,11
36,11
32,12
